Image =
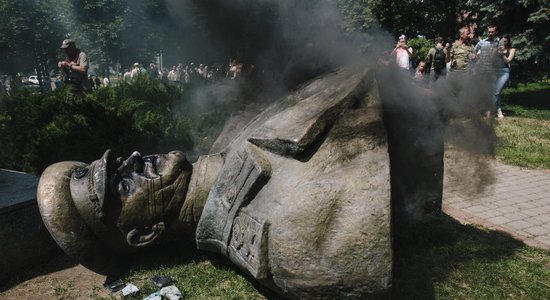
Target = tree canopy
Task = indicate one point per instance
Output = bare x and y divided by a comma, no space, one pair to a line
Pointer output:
28,36
527,21
121,32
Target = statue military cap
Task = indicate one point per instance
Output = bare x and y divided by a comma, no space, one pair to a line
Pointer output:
71,198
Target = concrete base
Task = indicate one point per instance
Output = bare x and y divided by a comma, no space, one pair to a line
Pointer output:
24,240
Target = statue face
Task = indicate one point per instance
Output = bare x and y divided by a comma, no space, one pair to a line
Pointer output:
142,189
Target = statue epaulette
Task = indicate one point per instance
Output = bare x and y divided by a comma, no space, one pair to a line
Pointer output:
225,227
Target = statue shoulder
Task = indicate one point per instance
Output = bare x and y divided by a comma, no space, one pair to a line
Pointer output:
311,112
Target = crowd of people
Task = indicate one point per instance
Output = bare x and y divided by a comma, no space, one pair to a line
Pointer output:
188,73
489,57
74,70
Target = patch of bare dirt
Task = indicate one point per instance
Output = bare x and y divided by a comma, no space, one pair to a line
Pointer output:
60,278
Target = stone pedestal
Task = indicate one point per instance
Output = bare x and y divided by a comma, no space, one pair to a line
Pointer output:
24,240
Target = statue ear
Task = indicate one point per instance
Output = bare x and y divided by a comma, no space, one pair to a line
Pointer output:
139,237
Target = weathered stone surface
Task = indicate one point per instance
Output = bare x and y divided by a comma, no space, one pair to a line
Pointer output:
245,172
319,225
24,241
302,198
295,129
66,226
205,172
16,189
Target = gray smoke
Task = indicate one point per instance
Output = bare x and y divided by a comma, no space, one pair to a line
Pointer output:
292,41
297,40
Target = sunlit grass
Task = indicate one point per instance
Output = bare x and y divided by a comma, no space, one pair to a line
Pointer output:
197,280
440,259
524,142
524,134
197,274
447,260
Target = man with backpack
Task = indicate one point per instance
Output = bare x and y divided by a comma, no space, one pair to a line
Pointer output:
436,60
75,67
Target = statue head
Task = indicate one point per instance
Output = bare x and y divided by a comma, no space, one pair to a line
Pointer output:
99,213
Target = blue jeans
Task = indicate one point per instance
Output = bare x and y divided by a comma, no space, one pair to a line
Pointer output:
503,74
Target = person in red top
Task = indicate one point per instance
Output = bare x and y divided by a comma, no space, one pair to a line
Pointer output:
74,67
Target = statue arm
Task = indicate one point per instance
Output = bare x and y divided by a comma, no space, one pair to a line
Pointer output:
294,131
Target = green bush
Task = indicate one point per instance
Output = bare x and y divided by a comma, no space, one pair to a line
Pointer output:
39,129
420,47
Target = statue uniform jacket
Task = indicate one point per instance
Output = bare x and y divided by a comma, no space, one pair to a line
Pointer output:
291,207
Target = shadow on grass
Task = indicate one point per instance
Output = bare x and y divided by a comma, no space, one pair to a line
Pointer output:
536,97
178,254
425,254
429,252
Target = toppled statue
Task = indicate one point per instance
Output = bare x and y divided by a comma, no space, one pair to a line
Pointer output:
299,198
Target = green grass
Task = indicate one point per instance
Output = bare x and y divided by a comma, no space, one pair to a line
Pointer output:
524,135
197,274
198,280
439,259
524,142
63,290
443,259
528,101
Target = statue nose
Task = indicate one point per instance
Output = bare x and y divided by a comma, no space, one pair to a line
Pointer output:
133,163
138,164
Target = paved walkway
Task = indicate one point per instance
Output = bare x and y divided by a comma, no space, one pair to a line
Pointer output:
510,199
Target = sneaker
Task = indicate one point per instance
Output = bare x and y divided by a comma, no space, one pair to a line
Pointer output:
499,114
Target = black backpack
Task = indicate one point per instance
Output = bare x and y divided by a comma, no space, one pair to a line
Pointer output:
439,59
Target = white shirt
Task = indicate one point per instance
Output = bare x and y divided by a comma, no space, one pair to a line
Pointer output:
402,57
135,73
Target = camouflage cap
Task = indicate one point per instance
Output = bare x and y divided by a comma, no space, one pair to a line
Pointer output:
66,43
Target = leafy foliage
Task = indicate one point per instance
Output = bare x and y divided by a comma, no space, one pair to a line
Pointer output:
411,17
526,21
102,23
28,36
125,31
420,46
122,32
358,14
39,129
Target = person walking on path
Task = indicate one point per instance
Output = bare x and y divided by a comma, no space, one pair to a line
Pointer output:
506,54
489,64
